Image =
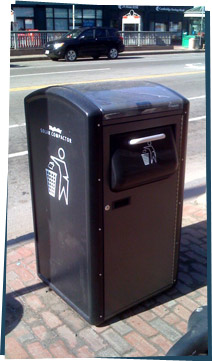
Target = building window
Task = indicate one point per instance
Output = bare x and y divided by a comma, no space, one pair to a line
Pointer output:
60,24
160,27
24,18
62,18
175,27
88,14
98,22
99,14
49,12
24,12
60,13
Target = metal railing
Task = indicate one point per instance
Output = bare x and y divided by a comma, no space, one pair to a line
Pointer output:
37,39
33,39
146,38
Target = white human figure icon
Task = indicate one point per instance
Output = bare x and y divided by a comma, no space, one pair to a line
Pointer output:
63,174
151,151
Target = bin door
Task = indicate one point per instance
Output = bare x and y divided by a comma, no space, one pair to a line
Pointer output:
143,201
142,157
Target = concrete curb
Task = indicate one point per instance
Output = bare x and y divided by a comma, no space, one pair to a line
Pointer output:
127,53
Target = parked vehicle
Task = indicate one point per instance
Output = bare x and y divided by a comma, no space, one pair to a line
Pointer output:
83,42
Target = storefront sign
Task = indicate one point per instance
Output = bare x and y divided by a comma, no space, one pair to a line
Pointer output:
127,6
160,8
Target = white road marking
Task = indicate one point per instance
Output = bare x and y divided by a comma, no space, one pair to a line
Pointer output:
197,118
194,98
19,154
17,125
60,72
195,66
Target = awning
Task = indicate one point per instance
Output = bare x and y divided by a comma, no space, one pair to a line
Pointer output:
196,12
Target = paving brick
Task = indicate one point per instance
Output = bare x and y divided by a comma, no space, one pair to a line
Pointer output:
24,252
68,335
182,312
160,310
132,354
199,277
13,257
142,326
188,303
121,327
73,320
170,304
182,327
92,339
165,329
140,344
24,274
199,267
101,328
171,318
60,307
16,285
32,267
108,352
29,259
38,351
11,276
162,342
84,352
51,319
185,278
34,302
59,350
116,341
201,300
40,331
148,315
20,330
182,287
14,350
203,291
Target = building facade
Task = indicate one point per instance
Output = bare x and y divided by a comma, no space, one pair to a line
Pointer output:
51,16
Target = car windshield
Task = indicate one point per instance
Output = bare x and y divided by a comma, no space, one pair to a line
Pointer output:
73,34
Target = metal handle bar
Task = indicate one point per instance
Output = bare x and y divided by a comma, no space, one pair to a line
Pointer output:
150,138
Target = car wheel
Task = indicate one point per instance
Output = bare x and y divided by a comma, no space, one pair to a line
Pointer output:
70,55
113,53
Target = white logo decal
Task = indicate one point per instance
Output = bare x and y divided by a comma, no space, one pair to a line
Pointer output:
149,154
62,174
54,129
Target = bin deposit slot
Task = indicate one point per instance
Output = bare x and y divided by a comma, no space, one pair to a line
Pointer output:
142,157
121,203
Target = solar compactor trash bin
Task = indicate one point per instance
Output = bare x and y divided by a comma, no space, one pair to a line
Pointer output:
107,178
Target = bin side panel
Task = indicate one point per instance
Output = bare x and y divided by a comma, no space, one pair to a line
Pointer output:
58,152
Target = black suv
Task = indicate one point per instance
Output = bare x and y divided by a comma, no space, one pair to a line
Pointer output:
83,42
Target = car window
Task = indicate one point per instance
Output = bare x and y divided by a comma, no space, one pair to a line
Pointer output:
88,34
100,33
112,32
74,34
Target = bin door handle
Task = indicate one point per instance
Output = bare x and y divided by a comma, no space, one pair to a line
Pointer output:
150,138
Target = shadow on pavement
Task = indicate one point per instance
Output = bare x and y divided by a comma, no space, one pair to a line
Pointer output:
24,238
14,313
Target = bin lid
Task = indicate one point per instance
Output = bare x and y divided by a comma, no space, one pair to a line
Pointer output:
146,98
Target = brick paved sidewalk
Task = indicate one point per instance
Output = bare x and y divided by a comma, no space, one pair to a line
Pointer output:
39,324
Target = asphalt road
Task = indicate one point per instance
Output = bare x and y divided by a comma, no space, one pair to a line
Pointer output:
182,72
